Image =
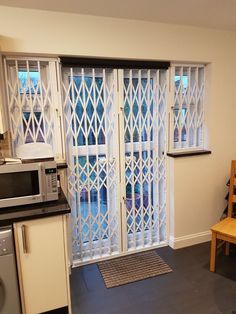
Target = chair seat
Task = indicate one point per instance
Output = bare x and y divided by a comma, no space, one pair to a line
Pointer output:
226,227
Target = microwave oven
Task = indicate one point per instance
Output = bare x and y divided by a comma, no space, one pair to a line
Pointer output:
22,184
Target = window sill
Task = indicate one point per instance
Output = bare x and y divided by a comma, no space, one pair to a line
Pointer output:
188,153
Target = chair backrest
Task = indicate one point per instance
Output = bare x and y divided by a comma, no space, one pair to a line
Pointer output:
232,189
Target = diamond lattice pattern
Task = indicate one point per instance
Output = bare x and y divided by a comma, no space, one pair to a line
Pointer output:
145,174
91,138
94,145
188,113
31,101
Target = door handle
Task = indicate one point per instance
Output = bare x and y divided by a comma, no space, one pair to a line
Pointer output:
2,295
24,239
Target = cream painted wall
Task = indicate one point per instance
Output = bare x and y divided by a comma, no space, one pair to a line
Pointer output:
197,184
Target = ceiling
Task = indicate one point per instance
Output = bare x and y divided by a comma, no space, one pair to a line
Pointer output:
220,14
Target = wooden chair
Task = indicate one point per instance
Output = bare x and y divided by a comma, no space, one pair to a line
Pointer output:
226,229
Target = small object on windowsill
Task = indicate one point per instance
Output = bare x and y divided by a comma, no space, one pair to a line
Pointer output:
35,152
10,161
188,153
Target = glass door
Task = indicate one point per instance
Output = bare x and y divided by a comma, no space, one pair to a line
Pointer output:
115,122
93,160
144,157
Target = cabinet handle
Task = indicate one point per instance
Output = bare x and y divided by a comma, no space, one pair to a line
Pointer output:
24,239
2,295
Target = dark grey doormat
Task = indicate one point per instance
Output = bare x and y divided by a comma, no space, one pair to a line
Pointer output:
130,268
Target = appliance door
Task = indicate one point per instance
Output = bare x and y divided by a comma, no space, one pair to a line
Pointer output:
20,186
9,295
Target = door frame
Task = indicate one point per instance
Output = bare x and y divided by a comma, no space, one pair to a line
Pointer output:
121,187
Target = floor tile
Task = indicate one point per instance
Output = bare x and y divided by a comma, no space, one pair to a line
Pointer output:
190,289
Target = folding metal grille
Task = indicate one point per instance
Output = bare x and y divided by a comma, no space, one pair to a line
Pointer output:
145,157
92,155
188,107
33,102
115,122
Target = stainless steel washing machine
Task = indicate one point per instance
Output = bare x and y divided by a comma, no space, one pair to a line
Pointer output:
9,292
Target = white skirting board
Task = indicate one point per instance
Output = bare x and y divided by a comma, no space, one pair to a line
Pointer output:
190,239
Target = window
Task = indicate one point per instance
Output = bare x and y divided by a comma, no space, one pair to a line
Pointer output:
33,102
24,77
187,108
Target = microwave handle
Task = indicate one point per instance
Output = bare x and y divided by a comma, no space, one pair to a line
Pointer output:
43,183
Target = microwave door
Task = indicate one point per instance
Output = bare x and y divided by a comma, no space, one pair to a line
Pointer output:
20,187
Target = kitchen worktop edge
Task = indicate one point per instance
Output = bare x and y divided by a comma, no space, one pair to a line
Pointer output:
35,211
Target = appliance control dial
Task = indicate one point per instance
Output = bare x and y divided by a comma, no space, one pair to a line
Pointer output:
6,242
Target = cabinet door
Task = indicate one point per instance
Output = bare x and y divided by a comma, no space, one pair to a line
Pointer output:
41,259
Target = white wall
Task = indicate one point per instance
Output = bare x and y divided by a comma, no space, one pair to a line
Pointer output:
198,183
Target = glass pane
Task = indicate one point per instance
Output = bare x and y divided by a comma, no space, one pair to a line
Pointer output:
137,94
139,190
92,198
181,119
31,101
188,98
29,82
181,80
32,123
144,122
88,94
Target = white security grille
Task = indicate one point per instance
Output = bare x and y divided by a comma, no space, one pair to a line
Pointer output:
115,122
33,102
145,156
188,107
92,155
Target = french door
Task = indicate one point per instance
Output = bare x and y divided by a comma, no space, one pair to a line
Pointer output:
115,131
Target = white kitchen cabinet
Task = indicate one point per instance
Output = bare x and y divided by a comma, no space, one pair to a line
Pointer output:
42,261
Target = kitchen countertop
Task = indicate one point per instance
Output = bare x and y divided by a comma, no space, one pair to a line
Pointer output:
9,215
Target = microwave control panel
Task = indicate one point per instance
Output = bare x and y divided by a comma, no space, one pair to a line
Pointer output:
6,241
51,180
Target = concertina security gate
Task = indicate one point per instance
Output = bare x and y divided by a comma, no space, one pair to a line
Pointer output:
115,130
33,102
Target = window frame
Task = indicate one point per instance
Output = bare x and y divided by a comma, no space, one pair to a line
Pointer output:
51,75
184,148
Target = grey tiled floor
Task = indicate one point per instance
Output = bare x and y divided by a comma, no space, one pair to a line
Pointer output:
191,288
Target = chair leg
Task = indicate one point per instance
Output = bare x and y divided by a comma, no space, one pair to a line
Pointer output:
227,247
213,252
